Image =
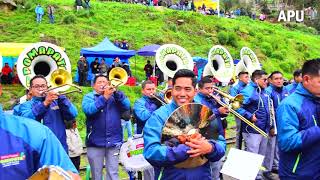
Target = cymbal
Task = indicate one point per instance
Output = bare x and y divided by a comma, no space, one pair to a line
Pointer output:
187,120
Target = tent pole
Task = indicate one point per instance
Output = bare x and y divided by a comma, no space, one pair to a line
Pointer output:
135,66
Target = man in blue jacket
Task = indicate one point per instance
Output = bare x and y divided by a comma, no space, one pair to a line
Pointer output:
49,108
255,108
103,108
297,77
166,157
203,97
277,93
26,146
235,90
39,12
144,107
298,131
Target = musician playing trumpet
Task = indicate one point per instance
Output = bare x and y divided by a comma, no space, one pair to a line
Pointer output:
204,97
50,108
103,107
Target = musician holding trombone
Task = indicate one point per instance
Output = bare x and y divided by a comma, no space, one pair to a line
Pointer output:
204,96
277,93
256,108
103,107
148,103
48,107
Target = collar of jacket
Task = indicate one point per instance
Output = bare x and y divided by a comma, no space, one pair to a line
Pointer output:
278,89
305,92
35,98
255,85
241,83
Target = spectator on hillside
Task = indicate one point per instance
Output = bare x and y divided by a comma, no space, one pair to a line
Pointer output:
262,17
82,71
6,74
124,45
95,66
185,8
39,12
15,79
203,7
117,43
148,68
126,67
87,2
50,13
117,62
103,67
195,69
78,4
193,7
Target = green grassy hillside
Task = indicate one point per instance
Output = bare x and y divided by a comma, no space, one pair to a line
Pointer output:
278,47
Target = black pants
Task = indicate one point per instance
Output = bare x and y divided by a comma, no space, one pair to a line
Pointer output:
82,79
6,79
76,162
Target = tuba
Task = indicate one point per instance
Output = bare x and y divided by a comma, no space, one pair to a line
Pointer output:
220,63
248,62
206,71
42,59
170,58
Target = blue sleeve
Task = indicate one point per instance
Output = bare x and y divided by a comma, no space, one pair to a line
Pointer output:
68,110
156,153
218,150
141,111
91,106
26,110
289,136
246,101
233,91
52,153
39,110
122,99
16,110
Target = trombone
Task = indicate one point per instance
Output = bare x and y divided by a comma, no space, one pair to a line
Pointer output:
61,81
235,112
167,94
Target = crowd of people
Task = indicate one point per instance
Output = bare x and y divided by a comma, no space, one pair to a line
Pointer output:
9,75
98,66
289,115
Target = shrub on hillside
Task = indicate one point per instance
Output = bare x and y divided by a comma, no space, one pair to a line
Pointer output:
85,14
266,48
227,38
278,55
287,66
222,37
69,19
232,39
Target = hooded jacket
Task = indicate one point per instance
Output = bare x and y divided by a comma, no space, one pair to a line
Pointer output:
299,135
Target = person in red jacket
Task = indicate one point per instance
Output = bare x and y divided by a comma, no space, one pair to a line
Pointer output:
6,74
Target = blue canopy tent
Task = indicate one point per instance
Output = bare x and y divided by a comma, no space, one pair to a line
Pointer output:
106,50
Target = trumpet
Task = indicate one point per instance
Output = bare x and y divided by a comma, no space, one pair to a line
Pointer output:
237,114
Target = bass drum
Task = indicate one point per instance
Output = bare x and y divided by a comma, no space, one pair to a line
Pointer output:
170,58
221,63
41,58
